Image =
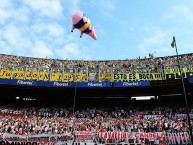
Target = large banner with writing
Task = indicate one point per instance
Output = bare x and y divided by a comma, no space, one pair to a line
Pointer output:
102,76
183,115
84,136
171,138
43,76
179,138
89,138
44,139
174,73
154,117
136,76
129,135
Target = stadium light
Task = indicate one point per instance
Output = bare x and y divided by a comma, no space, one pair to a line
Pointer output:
173,44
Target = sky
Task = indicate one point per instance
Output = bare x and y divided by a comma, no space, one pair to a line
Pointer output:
126,29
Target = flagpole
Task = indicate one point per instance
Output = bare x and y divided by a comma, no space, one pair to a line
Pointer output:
173,44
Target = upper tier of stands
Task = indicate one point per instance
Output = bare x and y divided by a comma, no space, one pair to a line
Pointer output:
87,70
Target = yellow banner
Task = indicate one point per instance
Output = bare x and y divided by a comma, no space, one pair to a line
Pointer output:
18,75
31,75
175,74
68,77
178,76
137,76
5,74
44,76
176,70
105,77
56,77
82,77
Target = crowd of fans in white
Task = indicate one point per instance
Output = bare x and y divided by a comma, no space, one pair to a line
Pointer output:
29,121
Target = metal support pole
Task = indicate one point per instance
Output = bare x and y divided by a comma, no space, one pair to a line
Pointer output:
173,44
75,92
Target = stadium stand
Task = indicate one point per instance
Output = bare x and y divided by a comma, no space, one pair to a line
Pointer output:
17,67
99,117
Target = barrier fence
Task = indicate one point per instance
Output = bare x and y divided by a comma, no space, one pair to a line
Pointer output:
74,75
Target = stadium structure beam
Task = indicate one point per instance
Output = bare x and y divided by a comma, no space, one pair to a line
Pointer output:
173,44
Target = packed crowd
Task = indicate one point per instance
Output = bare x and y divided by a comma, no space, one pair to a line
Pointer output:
33,120
146,65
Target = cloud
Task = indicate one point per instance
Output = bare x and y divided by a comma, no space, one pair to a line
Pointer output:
156,38
10,11
157,42
21,15
4,13
74,6
4,48
49,8
41,50
52,29
14,37
73,50
12,34
106,6
28,29
5,3
180,13
55,30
